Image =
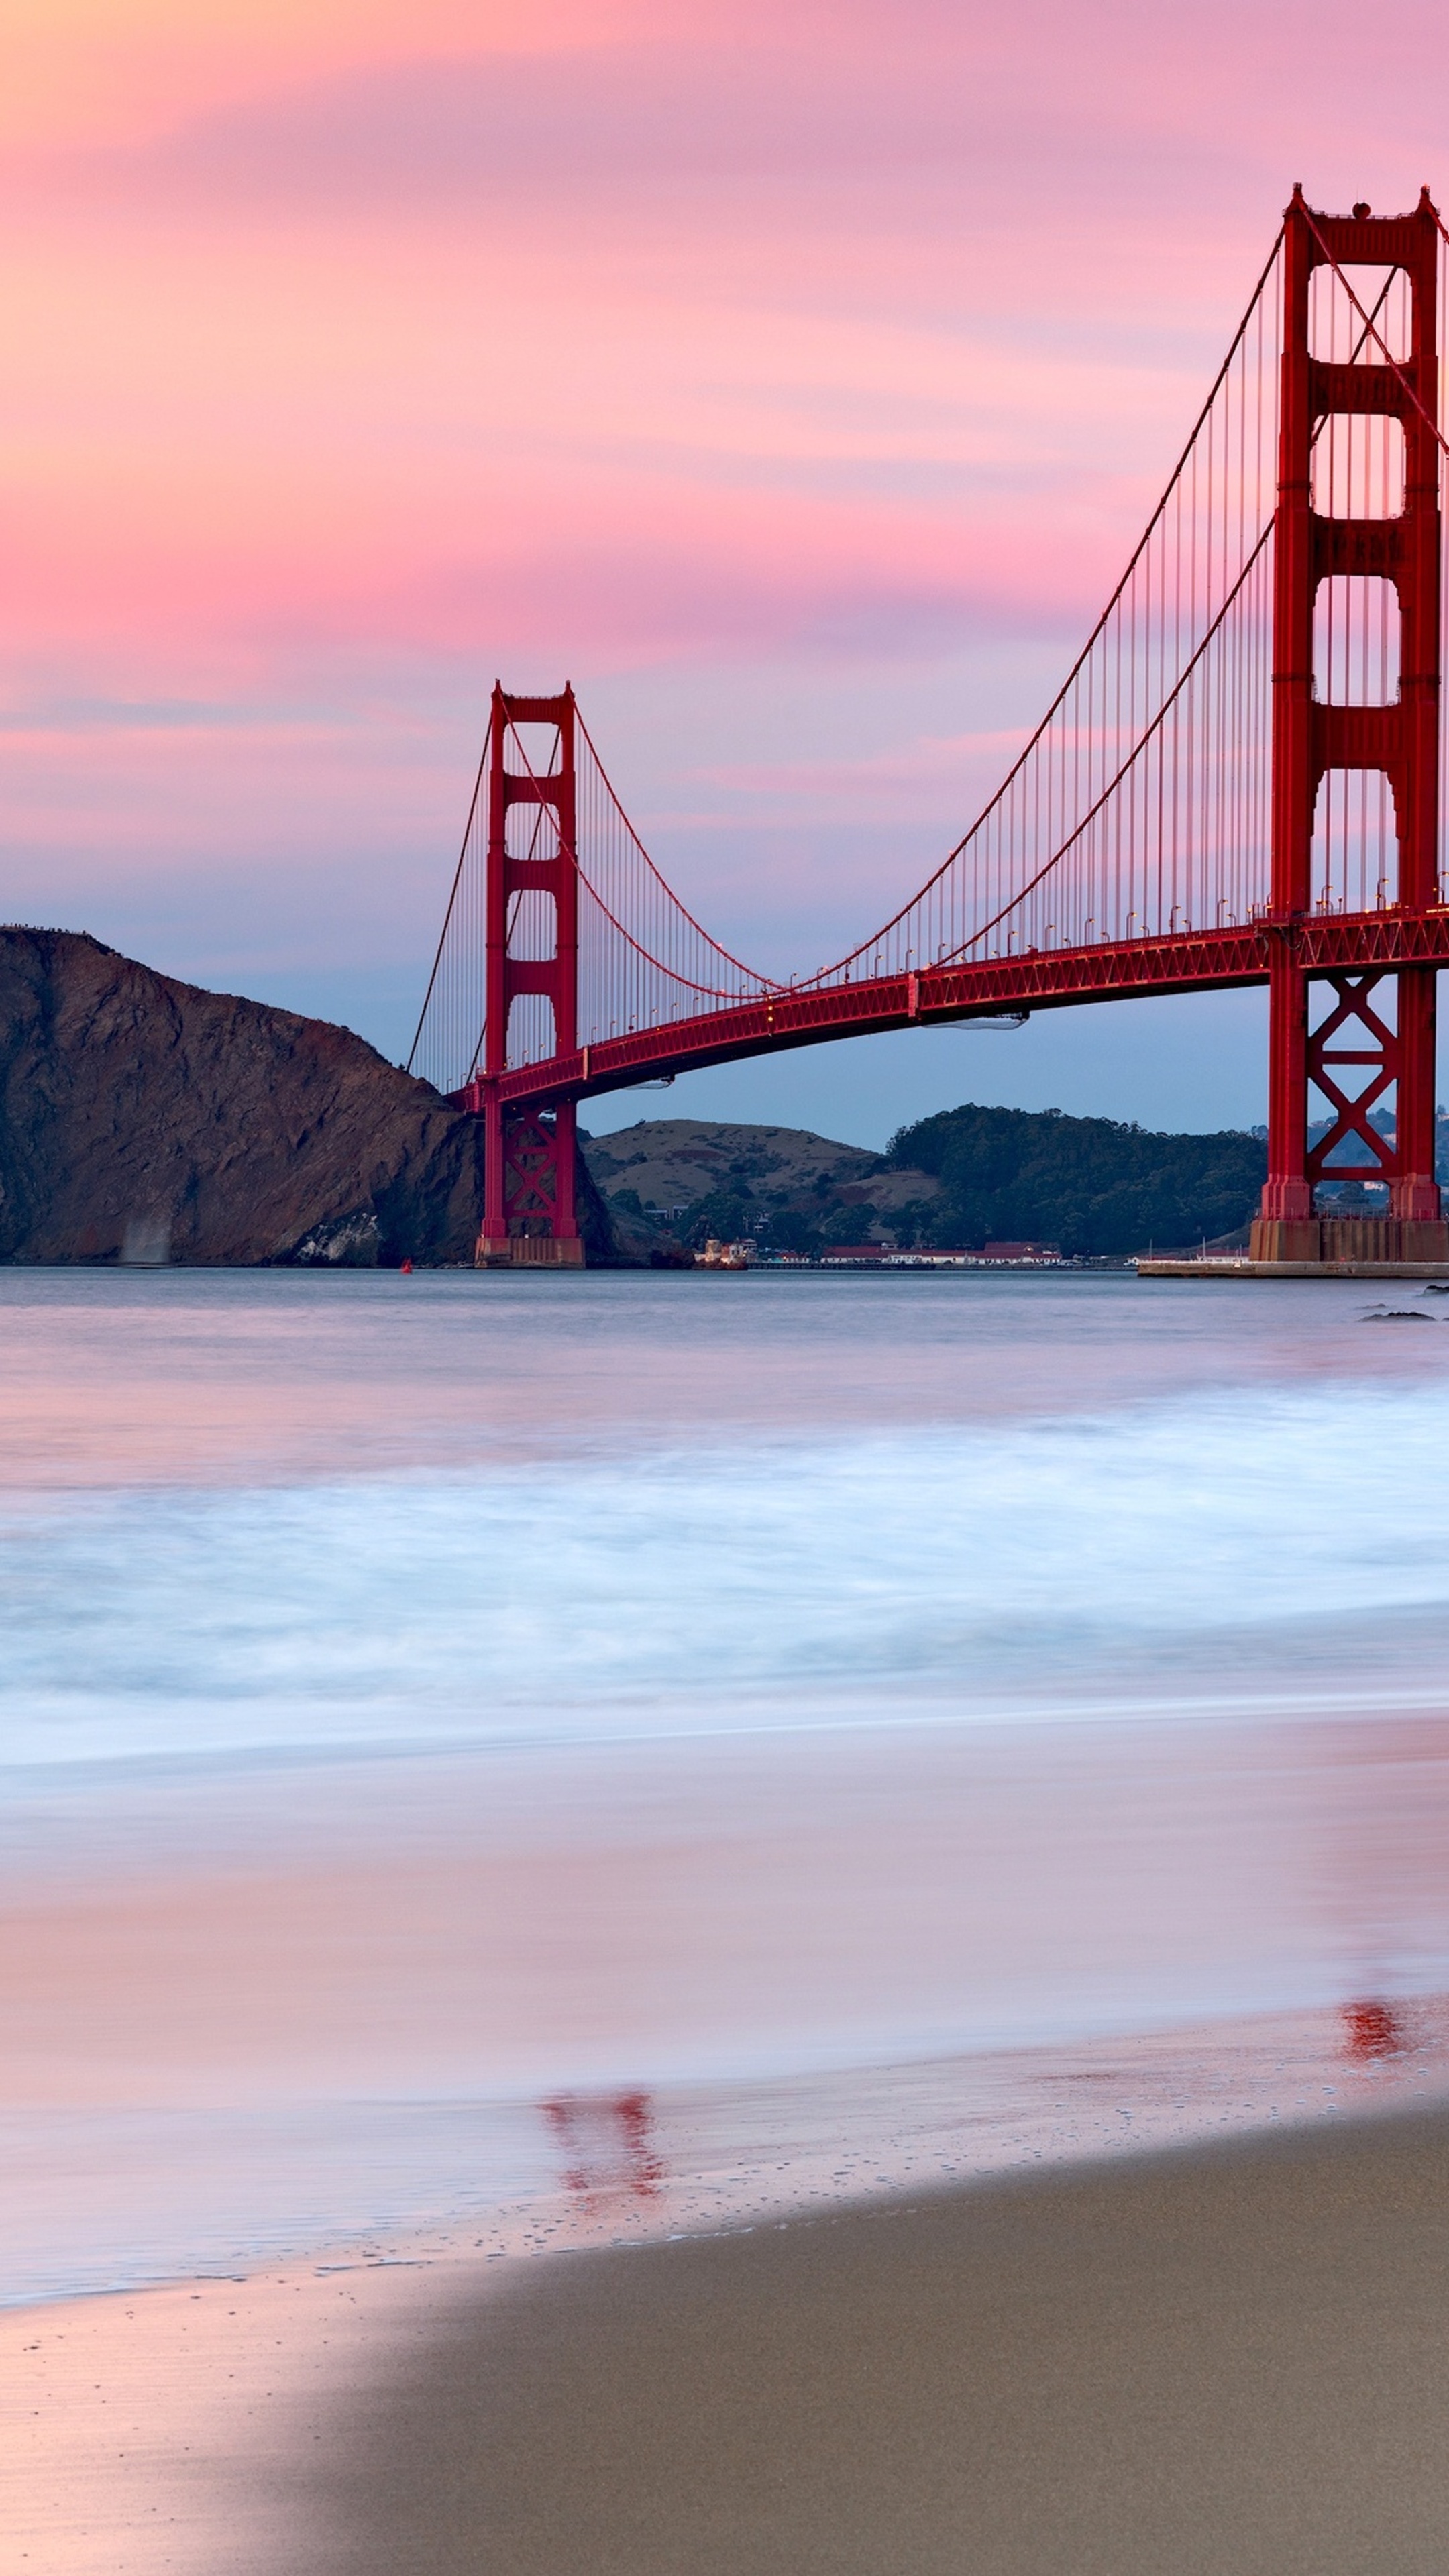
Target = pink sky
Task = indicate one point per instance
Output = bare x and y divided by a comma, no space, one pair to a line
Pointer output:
795,379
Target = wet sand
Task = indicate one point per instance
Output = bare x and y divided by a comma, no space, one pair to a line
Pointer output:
247,2014
1229,2361
165,2432
1233,2361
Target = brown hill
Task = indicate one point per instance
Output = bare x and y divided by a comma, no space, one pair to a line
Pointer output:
668,1178
143,1119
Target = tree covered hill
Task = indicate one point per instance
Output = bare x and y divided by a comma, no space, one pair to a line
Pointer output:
967,1177
676,1181
1090,1185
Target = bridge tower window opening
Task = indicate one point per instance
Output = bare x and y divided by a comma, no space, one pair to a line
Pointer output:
1337,330
533,925
536,746
1357,640
1359,468
1355,861
531,1032
530,835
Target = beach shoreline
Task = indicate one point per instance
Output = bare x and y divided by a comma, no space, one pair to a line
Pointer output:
247,2015
1225,2356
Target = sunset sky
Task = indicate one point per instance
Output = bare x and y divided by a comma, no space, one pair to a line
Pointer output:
794,379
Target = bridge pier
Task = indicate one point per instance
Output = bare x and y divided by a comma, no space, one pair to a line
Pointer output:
1389,1041
530,1218
1333,1243
1374,1048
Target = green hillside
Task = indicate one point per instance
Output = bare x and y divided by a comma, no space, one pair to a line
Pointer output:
1088,1184
966,1177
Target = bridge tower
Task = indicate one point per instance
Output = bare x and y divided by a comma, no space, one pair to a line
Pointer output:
531,947
1382,1022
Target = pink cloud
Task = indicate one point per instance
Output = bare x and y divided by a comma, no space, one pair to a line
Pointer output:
816,363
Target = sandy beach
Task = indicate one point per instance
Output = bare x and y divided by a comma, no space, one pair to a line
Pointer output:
1226,2360
1232,2361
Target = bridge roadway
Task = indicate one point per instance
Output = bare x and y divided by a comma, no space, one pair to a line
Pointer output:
1189,961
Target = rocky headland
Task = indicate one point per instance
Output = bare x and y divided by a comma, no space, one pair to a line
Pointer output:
142,1119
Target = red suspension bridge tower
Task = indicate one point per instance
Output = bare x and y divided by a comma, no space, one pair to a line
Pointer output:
1382,1020
1239,783
531,953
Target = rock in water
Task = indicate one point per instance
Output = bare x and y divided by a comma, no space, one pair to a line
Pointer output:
143,1120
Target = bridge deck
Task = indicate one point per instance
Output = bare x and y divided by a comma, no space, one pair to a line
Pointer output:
1191,961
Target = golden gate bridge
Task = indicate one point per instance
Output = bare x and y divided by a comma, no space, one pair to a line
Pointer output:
1240,782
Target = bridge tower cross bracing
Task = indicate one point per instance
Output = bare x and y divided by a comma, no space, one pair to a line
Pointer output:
529,1213
1313,736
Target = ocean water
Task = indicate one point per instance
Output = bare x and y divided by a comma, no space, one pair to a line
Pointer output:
429,1701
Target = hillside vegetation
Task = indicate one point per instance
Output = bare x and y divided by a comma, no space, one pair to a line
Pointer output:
676,1181
966,1177
1088,1184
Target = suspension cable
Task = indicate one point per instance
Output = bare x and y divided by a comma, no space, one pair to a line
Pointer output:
1129,763
1087,649
452,898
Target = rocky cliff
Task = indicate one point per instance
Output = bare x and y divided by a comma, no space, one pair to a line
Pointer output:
143,1119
